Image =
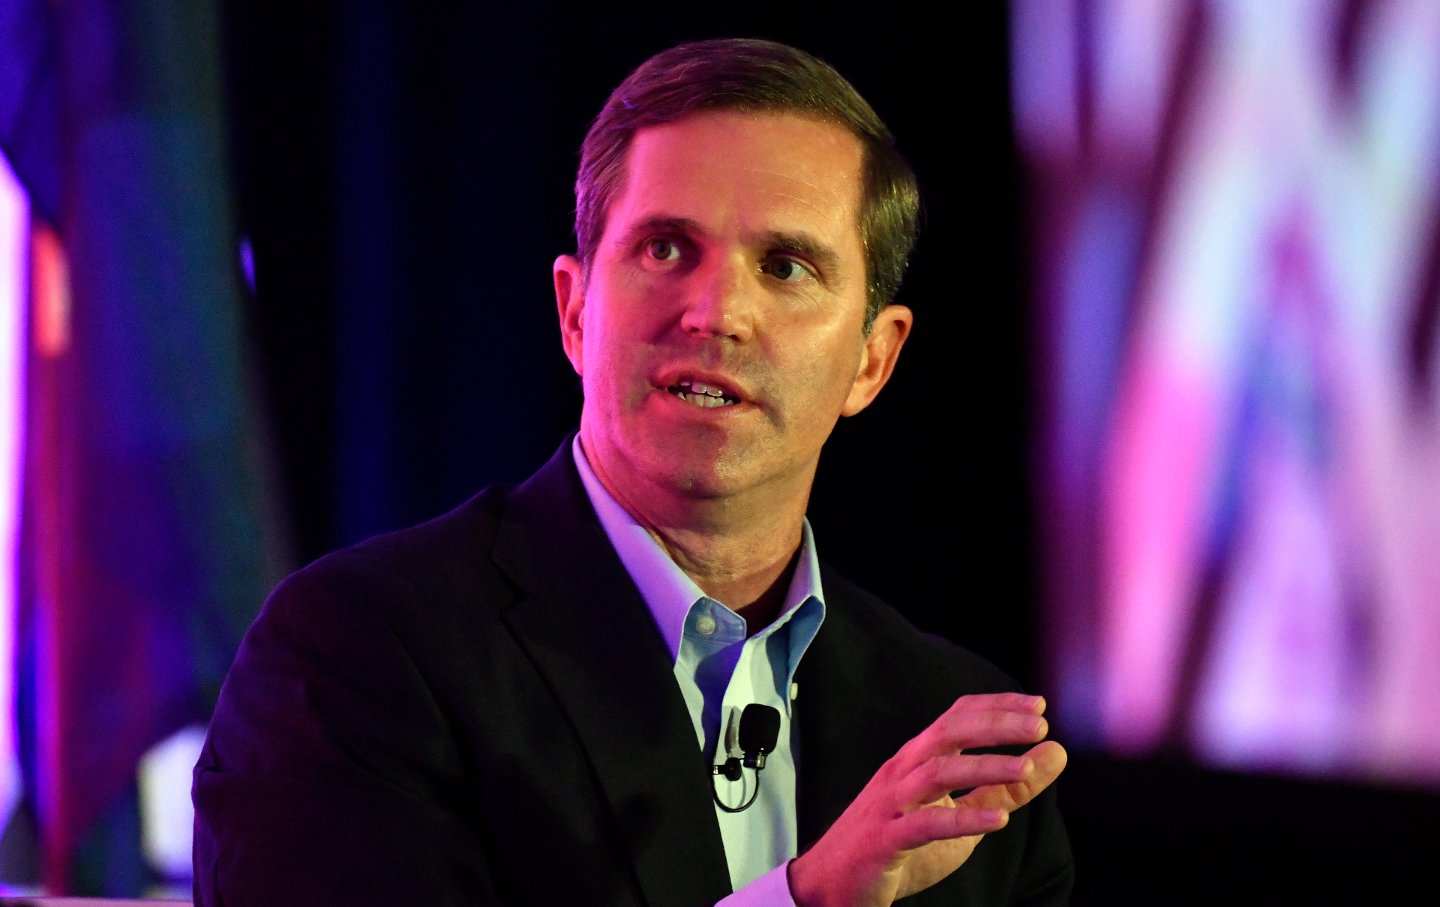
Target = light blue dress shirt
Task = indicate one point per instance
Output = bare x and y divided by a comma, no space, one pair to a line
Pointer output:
719,672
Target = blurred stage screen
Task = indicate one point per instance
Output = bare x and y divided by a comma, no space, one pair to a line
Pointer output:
1234,263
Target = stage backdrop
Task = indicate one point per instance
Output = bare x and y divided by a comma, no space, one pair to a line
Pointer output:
1172,377
1234,245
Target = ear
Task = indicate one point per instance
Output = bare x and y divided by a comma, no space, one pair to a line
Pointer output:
570,300
877,359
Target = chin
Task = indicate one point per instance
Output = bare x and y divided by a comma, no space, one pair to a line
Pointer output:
701,479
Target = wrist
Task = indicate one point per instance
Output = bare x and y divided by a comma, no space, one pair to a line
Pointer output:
805,889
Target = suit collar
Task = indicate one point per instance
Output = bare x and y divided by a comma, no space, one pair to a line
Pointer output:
607,664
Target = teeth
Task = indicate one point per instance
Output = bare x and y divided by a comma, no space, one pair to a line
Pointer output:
703,401
702,395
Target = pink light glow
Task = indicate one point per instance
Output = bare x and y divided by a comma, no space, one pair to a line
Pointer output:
1250,462
14,232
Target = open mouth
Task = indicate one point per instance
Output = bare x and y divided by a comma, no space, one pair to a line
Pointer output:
702,395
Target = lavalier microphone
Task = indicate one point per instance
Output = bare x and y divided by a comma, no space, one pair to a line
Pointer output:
759,733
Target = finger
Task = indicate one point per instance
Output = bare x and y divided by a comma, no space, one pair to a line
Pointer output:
970,728
1003,712
985,809
942,822
939,776
1047,760
1009,702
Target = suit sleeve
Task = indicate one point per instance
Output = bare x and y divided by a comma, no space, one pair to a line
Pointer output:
328,775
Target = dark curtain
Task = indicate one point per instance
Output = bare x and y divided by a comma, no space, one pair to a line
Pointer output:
309,251
406,178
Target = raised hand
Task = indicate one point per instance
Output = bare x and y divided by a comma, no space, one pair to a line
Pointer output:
906,830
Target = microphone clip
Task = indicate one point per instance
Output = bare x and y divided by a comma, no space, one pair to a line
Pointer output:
730,768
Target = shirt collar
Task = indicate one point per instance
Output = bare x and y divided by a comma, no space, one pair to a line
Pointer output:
667,591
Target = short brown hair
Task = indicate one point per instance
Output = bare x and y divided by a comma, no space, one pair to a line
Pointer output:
763,76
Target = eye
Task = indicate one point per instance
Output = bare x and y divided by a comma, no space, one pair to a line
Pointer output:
662,248
783,267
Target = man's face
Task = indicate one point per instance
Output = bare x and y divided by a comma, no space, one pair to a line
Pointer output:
720,336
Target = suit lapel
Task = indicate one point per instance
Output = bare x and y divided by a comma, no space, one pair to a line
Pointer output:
841,714
590,635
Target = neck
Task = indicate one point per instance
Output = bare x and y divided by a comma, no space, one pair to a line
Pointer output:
739,548
750,574
740,555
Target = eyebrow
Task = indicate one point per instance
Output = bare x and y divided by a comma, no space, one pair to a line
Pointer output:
657,223
806,246
821,254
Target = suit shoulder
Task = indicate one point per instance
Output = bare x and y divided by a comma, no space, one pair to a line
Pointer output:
439,560
419,548
900,648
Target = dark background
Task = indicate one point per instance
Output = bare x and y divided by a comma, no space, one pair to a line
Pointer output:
406,181
403,178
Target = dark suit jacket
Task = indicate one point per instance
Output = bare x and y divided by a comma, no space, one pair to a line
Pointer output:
479,710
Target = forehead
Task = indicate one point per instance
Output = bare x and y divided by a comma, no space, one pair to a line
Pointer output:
746,171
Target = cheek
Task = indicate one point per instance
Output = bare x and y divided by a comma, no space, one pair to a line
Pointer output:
614,366
831,360
630,309
822,382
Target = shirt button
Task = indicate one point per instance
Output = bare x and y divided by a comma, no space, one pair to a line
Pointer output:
705,624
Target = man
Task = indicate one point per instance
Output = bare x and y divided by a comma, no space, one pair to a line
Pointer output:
540,698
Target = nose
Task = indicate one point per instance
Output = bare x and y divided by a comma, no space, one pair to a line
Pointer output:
721,301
